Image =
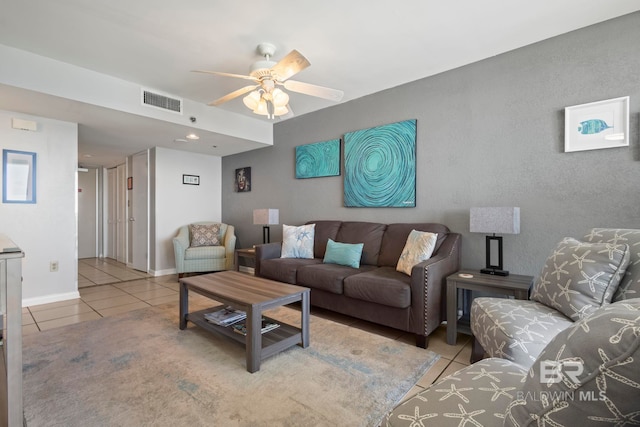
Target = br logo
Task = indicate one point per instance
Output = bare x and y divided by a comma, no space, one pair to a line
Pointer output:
552,372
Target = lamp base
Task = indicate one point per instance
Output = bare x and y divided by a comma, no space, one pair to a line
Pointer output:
494,272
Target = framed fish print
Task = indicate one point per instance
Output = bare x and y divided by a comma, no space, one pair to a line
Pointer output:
602,124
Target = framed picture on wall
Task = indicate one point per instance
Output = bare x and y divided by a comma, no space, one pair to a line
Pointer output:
242,180
596,125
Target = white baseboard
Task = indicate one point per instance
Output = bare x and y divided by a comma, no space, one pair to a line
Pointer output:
28,302
165,272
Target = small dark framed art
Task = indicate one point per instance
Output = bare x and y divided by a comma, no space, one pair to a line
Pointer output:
191,179
242,182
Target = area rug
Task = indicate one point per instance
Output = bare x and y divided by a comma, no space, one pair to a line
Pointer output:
139,369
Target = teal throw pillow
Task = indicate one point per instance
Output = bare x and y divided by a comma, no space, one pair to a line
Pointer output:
348,254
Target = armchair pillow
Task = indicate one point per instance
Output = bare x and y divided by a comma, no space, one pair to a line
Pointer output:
297,242
419,246
348,254
579,277
205,235
587,375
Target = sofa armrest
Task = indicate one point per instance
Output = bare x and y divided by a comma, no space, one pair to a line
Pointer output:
428,285
180,245
267,251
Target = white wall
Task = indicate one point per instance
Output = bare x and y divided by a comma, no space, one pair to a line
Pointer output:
46,231
178,204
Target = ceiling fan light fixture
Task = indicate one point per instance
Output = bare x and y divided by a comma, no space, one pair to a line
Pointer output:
252,100
279,98
280,111
261,108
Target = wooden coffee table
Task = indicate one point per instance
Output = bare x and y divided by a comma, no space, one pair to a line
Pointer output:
253,295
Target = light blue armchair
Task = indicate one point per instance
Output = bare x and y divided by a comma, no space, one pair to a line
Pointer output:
200,259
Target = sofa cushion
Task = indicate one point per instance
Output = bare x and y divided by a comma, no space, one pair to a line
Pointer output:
297,242
516,330
325,230
368,233
382,285
630,285
327,277
419,246
204,235
205,252
348,254
284,269
588,375
579,277
477,395
395,237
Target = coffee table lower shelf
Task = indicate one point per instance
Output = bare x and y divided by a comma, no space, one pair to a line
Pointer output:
273,341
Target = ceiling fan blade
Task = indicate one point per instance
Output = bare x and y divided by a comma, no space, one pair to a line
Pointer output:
313,90
291,64
218,73
234,94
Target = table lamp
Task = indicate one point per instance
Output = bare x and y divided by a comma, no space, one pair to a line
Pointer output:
502,220
266,217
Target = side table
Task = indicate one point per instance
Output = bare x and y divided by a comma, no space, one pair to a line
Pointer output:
512,285
243,253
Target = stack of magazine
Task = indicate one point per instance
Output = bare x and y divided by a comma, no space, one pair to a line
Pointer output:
267,325
225,316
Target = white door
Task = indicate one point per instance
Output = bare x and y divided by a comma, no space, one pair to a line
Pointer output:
121,214
140,213
112,213
88,214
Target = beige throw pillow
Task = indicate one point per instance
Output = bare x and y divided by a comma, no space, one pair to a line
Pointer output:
419,246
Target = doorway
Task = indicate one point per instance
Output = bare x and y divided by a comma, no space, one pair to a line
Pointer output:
87,213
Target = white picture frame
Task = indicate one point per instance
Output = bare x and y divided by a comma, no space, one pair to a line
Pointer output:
597,125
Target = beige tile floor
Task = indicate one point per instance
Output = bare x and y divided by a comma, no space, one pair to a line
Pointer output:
108,288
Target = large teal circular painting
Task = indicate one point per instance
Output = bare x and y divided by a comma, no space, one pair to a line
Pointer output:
380,166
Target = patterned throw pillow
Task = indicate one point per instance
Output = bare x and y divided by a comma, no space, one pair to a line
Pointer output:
579,277
205,235
297,242
588,375
419,246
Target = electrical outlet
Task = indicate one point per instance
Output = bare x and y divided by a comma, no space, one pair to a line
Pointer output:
53,266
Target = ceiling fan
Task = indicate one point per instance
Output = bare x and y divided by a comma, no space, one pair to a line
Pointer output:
265,97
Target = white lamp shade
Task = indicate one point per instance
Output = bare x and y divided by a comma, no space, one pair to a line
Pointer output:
501,220
266,216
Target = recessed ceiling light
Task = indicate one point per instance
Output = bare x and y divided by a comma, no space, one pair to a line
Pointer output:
180,140
193,136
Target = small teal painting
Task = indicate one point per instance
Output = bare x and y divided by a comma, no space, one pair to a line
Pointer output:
380,166
318,159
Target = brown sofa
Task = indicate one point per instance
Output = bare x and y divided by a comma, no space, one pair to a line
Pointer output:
375,291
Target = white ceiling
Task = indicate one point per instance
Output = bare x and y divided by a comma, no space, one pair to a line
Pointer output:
358,46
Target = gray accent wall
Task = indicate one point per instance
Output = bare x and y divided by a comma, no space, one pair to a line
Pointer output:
489,134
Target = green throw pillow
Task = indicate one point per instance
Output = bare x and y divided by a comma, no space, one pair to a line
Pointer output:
348,254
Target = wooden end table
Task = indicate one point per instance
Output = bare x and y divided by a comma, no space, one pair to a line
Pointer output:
253,295
512,285
243,253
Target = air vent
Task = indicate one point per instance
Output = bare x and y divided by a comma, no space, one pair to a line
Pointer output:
161,101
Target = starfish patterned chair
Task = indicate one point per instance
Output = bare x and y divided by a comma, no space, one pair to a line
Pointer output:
587,375
578,277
